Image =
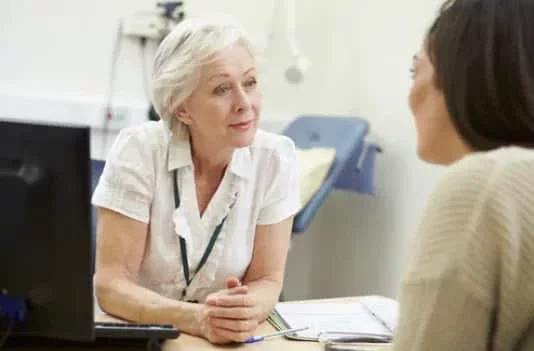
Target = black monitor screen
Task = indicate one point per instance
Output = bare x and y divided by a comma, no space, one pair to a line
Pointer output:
45,230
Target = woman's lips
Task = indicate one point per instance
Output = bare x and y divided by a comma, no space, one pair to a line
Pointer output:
241,125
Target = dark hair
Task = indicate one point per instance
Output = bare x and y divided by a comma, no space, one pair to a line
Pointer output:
483,55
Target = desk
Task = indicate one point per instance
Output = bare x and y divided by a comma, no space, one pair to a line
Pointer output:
190,343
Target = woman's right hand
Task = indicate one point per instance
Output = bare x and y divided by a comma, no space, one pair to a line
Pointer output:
233,287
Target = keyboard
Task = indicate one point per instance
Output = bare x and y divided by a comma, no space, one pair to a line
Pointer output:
107,335
110,330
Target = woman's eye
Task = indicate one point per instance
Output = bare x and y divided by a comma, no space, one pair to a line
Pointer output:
221,90
251,82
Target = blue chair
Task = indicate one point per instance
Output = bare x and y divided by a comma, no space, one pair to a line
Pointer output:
346,135
97,166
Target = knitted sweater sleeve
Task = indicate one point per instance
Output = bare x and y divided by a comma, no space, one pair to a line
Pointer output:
447,294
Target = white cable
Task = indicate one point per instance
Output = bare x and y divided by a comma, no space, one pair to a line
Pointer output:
291,27
271,27
300,64
108,111
113,66
143,45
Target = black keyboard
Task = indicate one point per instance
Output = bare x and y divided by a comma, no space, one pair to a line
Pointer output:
109,330
143,337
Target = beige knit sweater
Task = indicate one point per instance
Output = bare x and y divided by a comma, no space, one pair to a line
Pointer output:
469,284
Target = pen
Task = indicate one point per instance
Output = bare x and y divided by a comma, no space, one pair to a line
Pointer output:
280,333
377,318
360,338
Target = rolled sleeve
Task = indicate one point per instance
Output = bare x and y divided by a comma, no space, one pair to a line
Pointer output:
282,197
127,181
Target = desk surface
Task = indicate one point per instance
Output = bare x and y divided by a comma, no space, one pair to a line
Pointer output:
192,343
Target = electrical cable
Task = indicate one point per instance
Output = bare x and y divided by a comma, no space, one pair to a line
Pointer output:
296,70
291,27
144,71
266,50
108,112
6,335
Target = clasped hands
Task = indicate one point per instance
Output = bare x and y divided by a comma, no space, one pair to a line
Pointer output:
230,315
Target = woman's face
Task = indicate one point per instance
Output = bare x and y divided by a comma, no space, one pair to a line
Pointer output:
437,139
224,108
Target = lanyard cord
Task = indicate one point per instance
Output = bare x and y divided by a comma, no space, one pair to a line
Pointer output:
183,248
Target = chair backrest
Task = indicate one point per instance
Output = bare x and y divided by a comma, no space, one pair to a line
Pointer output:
97,166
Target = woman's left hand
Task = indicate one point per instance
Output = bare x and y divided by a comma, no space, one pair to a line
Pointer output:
234,316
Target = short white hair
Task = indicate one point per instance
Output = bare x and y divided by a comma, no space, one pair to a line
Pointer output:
191,44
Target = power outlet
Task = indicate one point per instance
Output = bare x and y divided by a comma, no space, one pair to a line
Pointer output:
145,25
118,118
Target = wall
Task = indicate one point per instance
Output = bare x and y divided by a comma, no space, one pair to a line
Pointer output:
55,65
362,252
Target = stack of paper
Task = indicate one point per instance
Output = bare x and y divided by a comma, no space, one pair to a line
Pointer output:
370,315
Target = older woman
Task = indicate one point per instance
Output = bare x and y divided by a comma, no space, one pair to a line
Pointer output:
470,280
195,211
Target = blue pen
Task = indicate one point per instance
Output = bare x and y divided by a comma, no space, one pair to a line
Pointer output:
280,333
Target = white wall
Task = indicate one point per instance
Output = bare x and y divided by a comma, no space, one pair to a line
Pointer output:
361,52
366,73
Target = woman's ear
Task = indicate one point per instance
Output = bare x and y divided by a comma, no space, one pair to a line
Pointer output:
183,115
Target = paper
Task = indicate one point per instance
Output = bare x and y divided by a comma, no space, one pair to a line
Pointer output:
341,317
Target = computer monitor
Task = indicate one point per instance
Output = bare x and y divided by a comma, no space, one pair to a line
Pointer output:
45,231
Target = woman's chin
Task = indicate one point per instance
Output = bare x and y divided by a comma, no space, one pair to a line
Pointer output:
244,139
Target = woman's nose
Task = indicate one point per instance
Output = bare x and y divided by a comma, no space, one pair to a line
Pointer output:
241,100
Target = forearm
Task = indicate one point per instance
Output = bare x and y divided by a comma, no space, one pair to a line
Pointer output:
265,275
125,299
267,291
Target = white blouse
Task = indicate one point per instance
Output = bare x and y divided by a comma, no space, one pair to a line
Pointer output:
259,187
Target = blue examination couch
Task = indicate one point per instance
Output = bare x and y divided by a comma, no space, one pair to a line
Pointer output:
352,169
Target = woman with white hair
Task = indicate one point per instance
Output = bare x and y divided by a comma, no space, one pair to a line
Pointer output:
195,211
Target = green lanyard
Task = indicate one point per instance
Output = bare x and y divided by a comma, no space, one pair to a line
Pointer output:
183,248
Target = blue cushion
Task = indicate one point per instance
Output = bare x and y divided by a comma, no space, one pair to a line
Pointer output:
345,134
